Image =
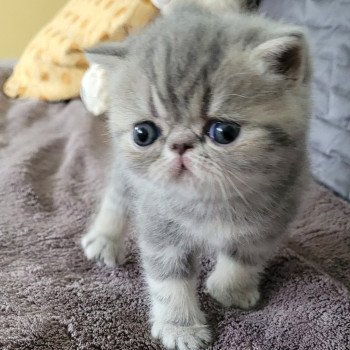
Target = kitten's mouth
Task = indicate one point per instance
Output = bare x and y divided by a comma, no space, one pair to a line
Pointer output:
180,168
183,169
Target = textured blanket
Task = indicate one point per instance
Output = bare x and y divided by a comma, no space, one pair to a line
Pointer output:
52,162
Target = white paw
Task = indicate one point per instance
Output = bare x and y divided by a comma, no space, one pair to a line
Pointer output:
101,247
231,295
181,337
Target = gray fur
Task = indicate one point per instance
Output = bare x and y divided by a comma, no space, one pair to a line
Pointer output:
189,67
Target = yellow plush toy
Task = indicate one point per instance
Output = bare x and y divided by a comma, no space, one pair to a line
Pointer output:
53,64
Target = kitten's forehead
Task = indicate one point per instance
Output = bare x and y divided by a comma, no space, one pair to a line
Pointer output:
181,76
181,108
197,73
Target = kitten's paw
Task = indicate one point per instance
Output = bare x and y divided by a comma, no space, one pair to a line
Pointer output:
181,337
231,295
242,298
101,247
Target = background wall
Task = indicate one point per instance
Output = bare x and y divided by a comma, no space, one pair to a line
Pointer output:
20,20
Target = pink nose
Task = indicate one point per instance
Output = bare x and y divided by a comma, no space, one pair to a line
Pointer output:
181,148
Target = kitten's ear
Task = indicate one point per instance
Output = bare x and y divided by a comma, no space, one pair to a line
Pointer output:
285,57
107,55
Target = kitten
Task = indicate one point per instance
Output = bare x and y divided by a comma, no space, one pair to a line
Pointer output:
208,115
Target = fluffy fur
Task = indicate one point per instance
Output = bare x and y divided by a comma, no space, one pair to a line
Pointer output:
236,200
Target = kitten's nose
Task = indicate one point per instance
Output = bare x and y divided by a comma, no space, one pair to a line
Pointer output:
181,148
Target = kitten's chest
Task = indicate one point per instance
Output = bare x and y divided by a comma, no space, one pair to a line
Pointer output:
219,231
215,224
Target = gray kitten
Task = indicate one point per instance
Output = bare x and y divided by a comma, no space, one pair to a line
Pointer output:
209,114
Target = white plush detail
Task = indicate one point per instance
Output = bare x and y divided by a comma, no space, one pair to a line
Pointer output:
93,90
160,3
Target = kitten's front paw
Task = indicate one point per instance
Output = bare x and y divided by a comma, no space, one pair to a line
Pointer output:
181,337
101,247
230,295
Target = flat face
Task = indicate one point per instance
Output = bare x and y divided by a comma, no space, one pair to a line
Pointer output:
192,111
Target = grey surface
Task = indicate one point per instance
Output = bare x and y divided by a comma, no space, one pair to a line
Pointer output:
52,163
328,24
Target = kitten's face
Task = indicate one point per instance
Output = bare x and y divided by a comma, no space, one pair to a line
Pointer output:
207,120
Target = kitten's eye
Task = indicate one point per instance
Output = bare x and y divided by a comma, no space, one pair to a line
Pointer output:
223,132
145,133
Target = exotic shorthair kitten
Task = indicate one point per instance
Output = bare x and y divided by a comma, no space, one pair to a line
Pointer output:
208,115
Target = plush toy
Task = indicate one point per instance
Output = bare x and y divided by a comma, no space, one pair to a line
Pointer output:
53,64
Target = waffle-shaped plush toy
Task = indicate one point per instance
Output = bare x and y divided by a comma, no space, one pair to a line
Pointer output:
53,64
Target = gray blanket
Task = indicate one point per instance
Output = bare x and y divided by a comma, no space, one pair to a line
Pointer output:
328,24
52,165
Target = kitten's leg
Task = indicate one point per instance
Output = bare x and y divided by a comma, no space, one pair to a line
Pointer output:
104,241
175,314
234,282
